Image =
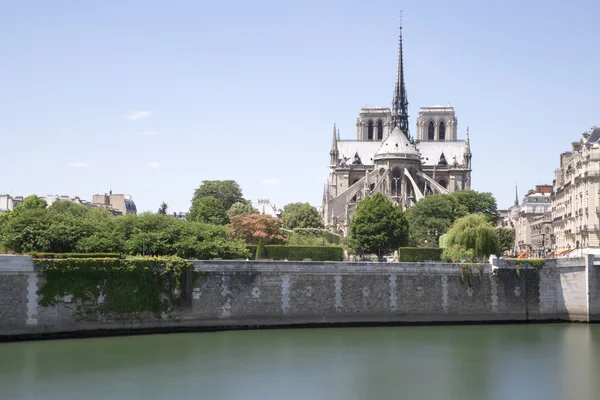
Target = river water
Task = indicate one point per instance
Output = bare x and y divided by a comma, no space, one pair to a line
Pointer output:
433,362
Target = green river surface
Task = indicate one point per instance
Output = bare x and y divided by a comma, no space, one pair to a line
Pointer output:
556,361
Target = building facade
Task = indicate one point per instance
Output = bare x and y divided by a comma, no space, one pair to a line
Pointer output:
576,196
121,203
530,221
265,207
385,158
8,202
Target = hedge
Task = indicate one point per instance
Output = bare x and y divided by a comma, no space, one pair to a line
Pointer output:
38,255
301,253
417,254
330,237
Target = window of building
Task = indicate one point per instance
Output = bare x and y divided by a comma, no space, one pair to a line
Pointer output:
431,131
443,183
442,131
370,131
379,130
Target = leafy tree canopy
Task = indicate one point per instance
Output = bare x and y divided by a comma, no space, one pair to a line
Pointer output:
208,210
68,207
474,232
242,208
256,227
163,208
69,228
431,217
33,202
227,192
379,226
301,215
477,202
506,239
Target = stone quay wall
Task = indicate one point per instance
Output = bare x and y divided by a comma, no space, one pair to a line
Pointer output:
231,294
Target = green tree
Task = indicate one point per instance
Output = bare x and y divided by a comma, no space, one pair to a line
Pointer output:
379,226
473,202
474,232
506,239
301,215
431,217
242,208
34,202
226,192
208,210
163,208
68,207
23,230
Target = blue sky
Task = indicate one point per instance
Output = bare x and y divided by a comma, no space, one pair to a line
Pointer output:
152,97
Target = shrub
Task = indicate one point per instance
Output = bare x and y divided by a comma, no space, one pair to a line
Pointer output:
457,253
330,237
252,250
299,253
417,254
260,251
38,255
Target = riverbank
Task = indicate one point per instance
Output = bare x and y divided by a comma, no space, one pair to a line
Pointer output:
233,295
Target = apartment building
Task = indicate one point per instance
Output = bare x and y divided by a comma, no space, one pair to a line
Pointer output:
576,196
535,204
121,203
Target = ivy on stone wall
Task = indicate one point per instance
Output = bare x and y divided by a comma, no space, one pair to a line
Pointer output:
466,271
105,289
536,263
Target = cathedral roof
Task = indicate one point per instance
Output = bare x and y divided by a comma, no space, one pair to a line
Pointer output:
396,144
431,151
365,149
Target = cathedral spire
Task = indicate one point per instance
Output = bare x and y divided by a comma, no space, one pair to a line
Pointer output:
400,102
334,142
334,153
516,195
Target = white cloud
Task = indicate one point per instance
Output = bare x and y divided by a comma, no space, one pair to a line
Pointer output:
78,165
138,115
271,182
153,164
149,133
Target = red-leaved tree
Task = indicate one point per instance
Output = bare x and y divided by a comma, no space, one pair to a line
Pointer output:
256,227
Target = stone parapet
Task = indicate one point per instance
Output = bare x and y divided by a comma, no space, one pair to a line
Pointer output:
225,294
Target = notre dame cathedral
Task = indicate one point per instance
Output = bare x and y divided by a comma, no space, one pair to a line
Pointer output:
386,159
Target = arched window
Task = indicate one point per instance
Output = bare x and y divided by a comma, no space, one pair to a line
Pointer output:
431,131
379,130
370,131
442,131
443,183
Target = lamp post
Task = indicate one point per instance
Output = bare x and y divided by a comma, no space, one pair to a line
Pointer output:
543,245
138,230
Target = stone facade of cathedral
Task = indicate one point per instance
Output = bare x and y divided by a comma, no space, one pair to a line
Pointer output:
385,158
